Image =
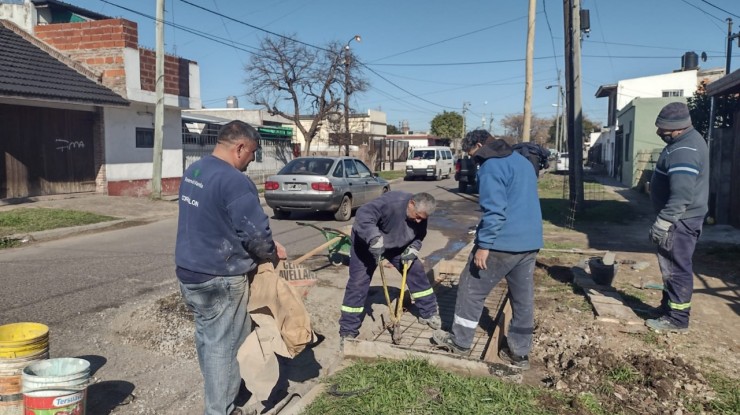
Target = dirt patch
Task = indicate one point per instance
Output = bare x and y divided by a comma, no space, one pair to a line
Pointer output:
164,326
597,363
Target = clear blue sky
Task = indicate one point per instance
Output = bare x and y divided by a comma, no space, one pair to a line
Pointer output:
471,51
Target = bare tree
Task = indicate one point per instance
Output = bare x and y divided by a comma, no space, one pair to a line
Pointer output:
297,82
514,124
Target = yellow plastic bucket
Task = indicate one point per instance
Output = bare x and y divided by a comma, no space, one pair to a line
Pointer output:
19,340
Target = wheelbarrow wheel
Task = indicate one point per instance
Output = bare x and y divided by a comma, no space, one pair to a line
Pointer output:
344,213
336,259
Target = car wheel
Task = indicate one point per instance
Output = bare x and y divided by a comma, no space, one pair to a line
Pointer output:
385,190
462,187
281,214
344,213
438,176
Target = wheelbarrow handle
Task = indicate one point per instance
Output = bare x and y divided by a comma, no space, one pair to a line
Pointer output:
308,224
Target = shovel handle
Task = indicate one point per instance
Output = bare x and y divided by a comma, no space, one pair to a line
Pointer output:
316,250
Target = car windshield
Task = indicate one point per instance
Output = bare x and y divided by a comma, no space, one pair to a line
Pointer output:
308,166
422,155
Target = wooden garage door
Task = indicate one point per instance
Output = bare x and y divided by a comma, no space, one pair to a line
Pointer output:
45,151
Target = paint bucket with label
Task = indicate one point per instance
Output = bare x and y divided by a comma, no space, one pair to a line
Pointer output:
19,340
56,386
11,398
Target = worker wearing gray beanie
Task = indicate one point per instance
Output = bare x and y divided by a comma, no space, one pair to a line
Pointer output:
674,116
679,190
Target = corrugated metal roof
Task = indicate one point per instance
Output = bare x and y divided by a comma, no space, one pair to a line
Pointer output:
27,71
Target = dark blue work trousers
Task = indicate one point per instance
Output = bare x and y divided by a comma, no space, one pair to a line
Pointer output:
676,266
475,285
361,268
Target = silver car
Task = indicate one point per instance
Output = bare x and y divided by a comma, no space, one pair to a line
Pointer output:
323,184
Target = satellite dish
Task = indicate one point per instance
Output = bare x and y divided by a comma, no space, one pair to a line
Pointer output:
704,56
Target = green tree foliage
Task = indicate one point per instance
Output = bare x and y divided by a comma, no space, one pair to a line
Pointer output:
392,129
588,127
724,110
447,125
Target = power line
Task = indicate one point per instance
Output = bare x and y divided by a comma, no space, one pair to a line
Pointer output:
641,46
552,39
254,27
702,10
719,8
448,39
601,32
204,35
402,89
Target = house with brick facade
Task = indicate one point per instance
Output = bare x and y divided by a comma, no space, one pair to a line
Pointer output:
108,49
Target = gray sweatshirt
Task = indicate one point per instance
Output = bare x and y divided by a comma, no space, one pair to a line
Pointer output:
679,188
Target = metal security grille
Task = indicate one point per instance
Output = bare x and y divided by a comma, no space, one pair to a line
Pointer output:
276,149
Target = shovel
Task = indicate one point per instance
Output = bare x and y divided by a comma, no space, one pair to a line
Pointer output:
394,326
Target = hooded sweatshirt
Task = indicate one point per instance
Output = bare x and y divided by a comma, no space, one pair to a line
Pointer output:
511,219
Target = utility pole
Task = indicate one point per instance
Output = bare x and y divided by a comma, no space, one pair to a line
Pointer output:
571,14
159,110
490,123
347,84
466,105
730,38
527,122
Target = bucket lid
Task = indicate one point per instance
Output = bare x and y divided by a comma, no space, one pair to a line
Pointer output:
16,334
60,368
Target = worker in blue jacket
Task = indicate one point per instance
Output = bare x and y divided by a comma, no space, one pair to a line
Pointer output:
392,226
508,237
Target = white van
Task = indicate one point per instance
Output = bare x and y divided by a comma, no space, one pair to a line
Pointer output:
436,162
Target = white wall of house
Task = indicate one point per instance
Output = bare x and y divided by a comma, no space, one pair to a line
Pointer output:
654,86
22,14
126,162
606,138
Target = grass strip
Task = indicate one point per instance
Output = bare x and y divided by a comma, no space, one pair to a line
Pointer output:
414,386
24,220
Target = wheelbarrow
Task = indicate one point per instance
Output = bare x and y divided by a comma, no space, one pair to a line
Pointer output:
337,243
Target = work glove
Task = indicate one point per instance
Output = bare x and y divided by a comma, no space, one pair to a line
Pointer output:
376,248
659,232
409,254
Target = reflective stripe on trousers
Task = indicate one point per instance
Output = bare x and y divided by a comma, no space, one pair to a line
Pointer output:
475,285
676,267
361,268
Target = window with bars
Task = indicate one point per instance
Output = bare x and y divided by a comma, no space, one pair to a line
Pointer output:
144,137
667,93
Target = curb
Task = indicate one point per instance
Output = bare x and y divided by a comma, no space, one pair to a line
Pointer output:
60,233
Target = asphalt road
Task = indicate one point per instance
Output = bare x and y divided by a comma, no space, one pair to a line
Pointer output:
80,284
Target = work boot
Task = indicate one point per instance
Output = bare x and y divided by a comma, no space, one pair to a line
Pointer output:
433,321
341,340
664,324
520,362
444,340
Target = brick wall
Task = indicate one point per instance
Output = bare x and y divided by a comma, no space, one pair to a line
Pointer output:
176,73
99,44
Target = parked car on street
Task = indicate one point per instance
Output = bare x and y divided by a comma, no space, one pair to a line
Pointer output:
323,184
561,166
466,171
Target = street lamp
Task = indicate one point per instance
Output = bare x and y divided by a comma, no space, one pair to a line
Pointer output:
557,116
346,93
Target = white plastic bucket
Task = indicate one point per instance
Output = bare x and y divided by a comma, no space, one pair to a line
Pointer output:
11,398
56,386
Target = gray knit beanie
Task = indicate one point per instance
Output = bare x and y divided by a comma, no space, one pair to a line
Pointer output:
674,116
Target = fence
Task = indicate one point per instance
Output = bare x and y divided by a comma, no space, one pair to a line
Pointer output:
274,153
